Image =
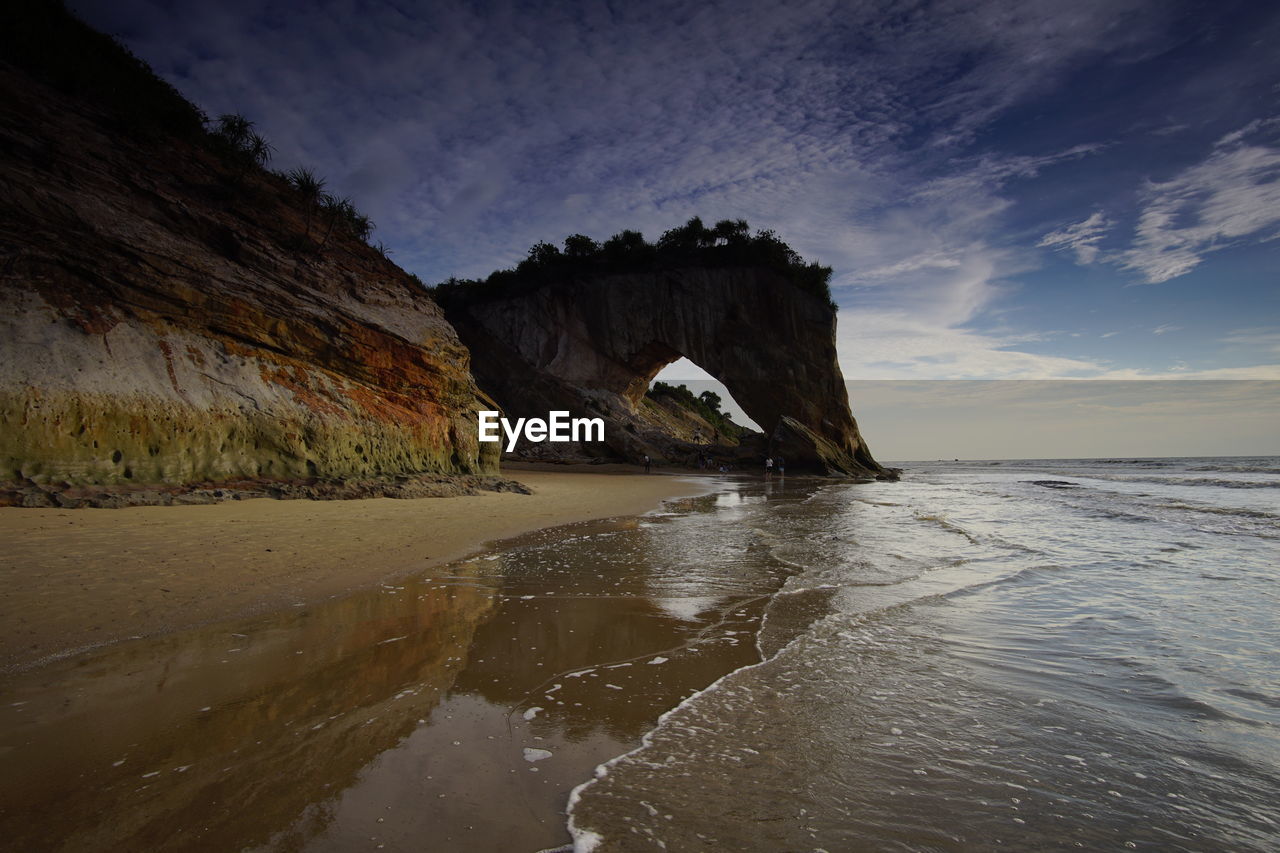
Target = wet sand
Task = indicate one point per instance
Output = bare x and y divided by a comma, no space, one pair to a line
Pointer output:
452,709
76,579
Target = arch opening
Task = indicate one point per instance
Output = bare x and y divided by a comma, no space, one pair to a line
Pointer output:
684,371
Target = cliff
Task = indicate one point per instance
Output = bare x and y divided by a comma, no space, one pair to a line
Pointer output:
168,318
593,344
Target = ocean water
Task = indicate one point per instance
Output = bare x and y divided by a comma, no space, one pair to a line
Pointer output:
1050,654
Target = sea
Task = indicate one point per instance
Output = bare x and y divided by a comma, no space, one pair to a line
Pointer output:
1048,654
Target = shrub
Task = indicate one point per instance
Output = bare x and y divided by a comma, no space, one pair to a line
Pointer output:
234,138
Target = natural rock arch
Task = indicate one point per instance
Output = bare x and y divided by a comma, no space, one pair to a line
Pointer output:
595,344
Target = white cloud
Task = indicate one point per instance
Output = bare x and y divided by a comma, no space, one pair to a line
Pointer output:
1233,194
1165,329
899,345
1082,237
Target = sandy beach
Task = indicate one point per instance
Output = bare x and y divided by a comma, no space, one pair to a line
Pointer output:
72,579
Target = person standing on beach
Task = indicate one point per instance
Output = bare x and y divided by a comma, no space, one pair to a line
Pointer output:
768,465
781,465
646,463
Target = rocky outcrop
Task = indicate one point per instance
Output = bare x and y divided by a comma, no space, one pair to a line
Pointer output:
592,346
166,319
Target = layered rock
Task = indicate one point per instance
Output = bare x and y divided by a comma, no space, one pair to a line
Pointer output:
593,345
165,318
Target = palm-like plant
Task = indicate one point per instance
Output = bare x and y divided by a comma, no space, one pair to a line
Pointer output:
310,187
259,149
337,210
235,130
362,226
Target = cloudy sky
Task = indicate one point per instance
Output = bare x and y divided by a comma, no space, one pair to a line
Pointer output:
1033,189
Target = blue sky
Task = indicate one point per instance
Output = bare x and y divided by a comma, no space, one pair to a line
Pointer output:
1020,190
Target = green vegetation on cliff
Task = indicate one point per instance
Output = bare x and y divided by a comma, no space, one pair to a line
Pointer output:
729,243
50,43
47,41
706,405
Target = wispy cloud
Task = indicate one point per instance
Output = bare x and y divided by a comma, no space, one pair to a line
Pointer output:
1081,238
1263,339
1165,329
897,345
1232,195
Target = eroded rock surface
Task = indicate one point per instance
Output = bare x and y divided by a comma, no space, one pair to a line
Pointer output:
592,346
165,319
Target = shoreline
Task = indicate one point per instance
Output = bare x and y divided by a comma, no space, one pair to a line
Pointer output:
75,580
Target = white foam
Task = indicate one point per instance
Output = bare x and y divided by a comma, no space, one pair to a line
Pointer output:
584,840
587,840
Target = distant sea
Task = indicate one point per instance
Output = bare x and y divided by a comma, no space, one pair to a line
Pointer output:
1027,655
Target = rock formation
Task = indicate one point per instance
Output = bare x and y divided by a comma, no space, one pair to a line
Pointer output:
592,345
165,319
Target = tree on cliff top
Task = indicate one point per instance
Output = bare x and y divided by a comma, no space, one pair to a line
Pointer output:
728,244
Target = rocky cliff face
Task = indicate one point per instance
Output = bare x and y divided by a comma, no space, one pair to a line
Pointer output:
592,346
164,321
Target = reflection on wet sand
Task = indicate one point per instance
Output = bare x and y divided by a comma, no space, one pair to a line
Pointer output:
216,738
456,708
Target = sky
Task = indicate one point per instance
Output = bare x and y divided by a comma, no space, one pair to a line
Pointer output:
1005,190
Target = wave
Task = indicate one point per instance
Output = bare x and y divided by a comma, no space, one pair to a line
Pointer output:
1221,510
1173,480
1208,481
1203,464
947,525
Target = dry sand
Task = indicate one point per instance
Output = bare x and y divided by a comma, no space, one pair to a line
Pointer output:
71,579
